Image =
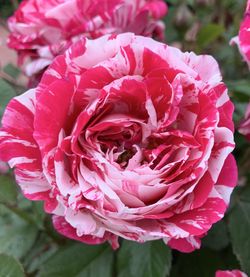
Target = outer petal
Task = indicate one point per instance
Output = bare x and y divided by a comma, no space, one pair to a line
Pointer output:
52,114
198,221
64,228
185,245
19,149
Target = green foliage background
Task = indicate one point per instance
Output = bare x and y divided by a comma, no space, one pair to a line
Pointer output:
30,247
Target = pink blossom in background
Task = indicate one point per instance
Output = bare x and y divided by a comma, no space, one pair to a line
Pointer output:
42,29
228,273
244,127
125,137
243,38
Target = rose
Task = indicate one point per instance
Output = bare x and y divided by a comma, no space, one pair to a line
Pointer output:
125,136
42,29
243,38
228,273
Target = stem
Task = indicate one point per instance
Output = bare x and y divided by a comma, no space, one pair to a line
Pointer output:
21,214
114,271
10,80
31,221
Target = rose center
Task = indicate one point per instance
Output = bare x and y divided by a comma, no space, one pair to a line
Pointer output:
125,156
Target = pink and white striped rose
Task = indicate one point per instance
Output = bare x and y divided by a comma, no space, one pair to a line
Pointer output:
125,137
42,29
228,273
244,127
243,38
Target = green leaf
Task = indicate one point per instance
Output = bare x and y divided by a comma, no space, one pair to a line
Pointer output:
10,267
208,34
8,190
240,90
239,227
151,259
16,236
79,260
217,237
6,93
